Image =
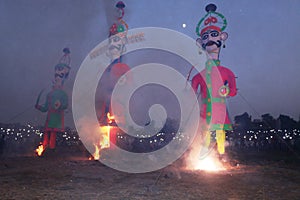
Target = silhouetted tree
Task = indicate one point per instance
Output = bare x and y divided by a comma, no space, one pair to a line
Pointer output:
242,122
287,122
269,121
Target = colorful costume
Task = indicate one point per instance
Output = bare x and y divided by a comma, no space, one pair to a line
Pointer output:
55,116
216,82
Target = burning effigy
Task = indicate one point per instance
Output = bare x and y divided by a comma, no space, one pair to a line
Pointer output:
114,74
55,105
107,135
216,83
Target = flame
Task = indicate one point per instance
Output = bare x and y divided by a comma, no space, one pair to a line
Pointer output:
209,163
110,118
40,149
104,141
96,154
105,135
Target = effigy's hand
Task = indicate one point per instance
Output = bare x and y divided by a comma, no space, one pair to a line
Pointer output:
224,91
57,104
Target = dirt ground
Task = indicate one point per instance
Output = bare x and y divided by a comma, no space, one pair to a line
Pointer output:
75,177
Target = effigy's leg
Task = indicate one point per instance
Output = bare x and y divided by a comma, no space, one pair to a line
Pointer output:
104,110
206,145
220,135
207,139
52,142
45,140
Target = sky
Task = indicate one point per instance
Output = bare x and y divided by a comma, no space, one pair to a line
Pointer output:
262,48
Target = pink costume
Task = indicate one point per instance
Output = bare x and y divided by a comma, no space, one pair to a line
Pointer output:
214,81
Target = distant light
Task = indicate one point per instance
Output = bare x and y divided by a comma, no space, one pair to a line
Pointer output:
183,25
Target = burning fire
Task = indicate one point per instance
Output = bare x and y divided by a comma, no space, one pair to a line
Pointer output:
206,162
96,155
209,163
110,118
40,149
104,141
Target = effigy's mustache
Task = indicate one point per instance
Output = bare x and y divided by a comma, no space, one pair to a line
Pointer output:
210,43
112,47
59,75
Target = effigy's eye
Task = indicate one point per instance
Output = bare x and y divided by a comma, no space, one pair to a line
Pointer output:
214,33
117,39
204,36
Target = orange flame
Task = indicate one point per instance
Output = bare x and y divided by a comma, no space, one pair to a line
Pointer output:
96,155
40,149
209,163
104,141
105,136
110,118
206,161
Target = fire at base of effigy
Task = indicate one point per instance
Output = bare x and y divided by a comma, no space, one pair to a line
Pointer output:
103,143
40,150
106,136
210,163
200,158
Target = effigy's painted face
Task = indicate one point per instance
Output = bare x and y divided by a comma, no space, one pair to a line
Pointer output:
211,40
116,45
61,73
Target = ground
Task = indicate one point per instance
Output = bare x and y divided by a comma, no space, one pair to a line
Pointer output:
73,176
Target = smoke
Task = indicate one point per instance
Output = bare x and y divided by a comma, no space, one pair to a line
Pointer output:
193,152
89,133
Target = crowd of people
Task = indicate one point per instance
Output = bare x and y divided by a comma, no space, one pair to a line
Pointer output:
16,139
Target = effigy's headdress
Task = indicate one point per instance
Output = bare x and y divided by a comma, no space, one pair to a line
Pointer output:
212,20
64,63
120,26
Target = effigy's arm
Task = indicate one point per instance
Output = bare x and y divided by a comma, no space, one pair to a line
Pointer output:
231,84
44,107
198,81
64,102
